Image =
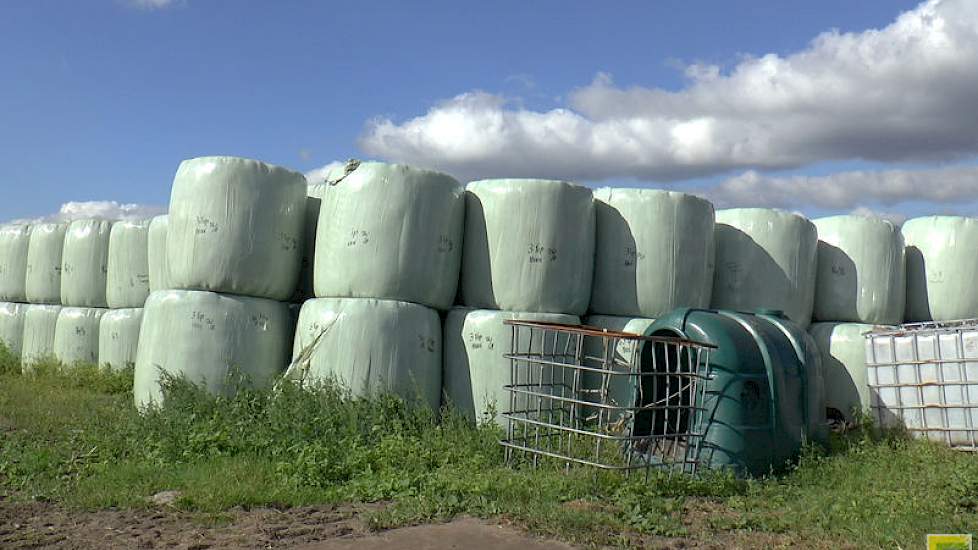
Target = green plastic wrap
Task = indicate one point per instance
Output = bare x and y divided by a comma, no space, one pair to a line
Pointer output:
127,280
12,326
474,368
84,263
14,240
314,202
765,260
529,246
235,226
118,337
159,271
843,350
942,259
654,252
76,335
371,347
621,390
392,232
861,275
47,242
214,340
40,322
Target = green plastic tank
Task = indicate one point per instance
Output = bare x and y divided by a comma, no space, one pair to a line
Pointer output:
766,397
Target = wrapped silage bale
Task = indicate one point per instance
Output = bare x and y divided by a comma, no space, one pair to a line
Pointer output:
391,231
127,280
861,274
235,226
653,252
371,347
843,350
76,335
40,323
12,326
47,242
14,241
622,391
474,368
118,337
84,263
942,259
159,271
529,246
765,259
214,340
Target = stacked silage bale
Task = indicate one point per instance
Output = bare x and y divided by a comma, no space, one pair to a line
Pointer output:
127,288
43,289
528,254
14,241
387,254
233,240
942,259
860,283
84,269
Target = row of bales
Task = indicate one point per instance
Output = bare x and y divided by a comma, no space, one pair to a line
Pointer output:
391,278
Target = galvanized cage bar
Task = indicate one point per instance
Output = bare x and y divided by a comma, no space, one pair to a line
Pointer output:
607,399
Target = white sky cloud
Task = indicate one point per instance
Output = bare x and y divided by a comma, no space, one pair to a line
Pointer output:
152,4
906,92
109,210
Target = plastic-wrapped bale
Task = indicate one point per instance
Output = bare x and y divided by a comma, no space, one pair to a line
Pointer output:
942,259
653,251
474,368
765,260
371,347
621,390
76,335
393,232
14,241
159,271
235,226
84,263
118,337
40,323
217,341
529,246
12,326
861,270
843,350
127,280
43,283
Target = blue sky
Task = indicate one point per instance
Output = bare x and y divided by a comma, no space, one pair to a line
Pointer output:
102,99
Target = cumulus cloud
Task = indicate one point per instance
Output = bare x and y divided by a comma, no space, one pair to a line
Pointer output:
107,210
908,91
152,4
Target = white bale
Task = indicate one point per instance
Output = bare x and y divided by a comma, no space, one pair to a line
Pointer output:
118,337
84,263
653,251
12,326
942,260
765,259
159,271
213,340
40,323
47,242
529,246
843,350
621,389
314,201
14,241
372,347
127,280
474,368
861,275
235,226
391,231
76,335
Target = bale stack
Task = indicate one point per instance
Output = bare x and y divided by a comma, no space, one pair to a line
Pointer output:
43,289
942,259
387,254
860,283
233,244
14,240
528,254
126,292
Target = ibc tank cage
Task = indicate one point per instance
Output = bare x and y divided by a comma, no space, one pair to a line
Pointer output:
923,377
635,404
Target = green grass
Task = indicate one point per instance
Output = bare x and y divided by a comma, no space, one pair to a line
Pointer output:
73,437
